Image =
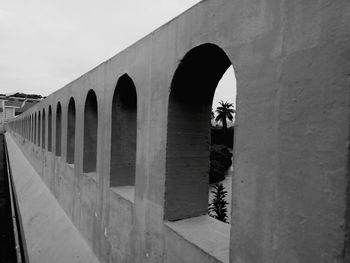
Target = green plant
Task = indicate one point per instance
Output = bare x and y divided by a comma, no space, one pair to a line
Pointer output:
218,206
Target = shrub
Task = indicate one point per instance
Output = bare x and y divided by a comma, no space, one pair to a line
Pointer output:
220,161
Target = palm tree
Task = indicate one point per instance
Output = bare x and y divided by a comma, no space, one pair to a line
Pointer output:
225,111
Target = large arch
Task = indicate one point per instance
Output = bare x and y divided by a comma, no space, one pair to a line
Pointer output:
123,135
90,133
71,131
188,132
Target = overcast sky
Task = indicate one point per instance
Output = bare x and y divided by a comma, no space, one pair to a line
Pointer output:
45,44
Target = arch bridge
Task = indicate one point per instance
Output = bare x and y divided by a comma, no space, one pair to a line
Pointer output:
122,153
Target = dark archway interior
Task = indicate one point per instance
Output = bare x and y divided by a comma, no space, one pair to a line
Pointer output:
34,135
49,130
71,131
44,130
39,128
31,128
90,133
123,140
188,136
58,129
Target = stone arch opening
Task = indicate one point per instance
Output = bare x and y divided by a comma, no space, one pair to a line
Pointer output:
188,132
35,124
32,135
24,127
39,128
71,131
90,133
30,127
27,129
43,130
123,135
58,129
49,130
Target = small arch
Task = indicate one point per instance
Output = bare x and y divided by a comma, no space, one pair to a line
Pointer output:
123,135
30,127
58,129
27,128
24,127
49,130
90,133
35,125
39,127
43,130
188,132
71,131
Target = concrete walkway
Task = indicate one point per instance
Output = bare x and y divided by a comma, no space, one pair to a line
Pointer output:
49,233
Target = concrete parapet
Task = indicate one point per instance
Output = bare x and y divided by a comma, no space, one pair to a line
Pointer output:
50,235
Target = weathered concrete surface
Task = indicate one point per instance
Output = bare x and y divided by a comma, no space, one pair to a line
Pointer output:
205,232
289,196
50,235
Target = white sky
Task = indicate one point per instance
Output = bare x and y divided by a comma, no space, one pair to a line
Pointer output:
45,44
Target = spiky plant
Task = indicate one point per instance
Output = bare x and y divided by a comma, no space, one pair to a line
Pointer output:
218,206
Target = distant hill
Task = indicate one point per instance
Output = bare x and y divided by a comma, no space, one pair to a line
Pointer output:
28,96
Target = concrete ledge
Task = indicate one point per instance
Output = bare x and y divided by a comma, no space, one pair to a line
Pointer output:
50,235
210,235
126,192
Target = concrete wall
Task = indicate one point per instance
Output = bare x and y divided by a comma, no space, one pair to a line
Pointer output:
292,62
49,234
